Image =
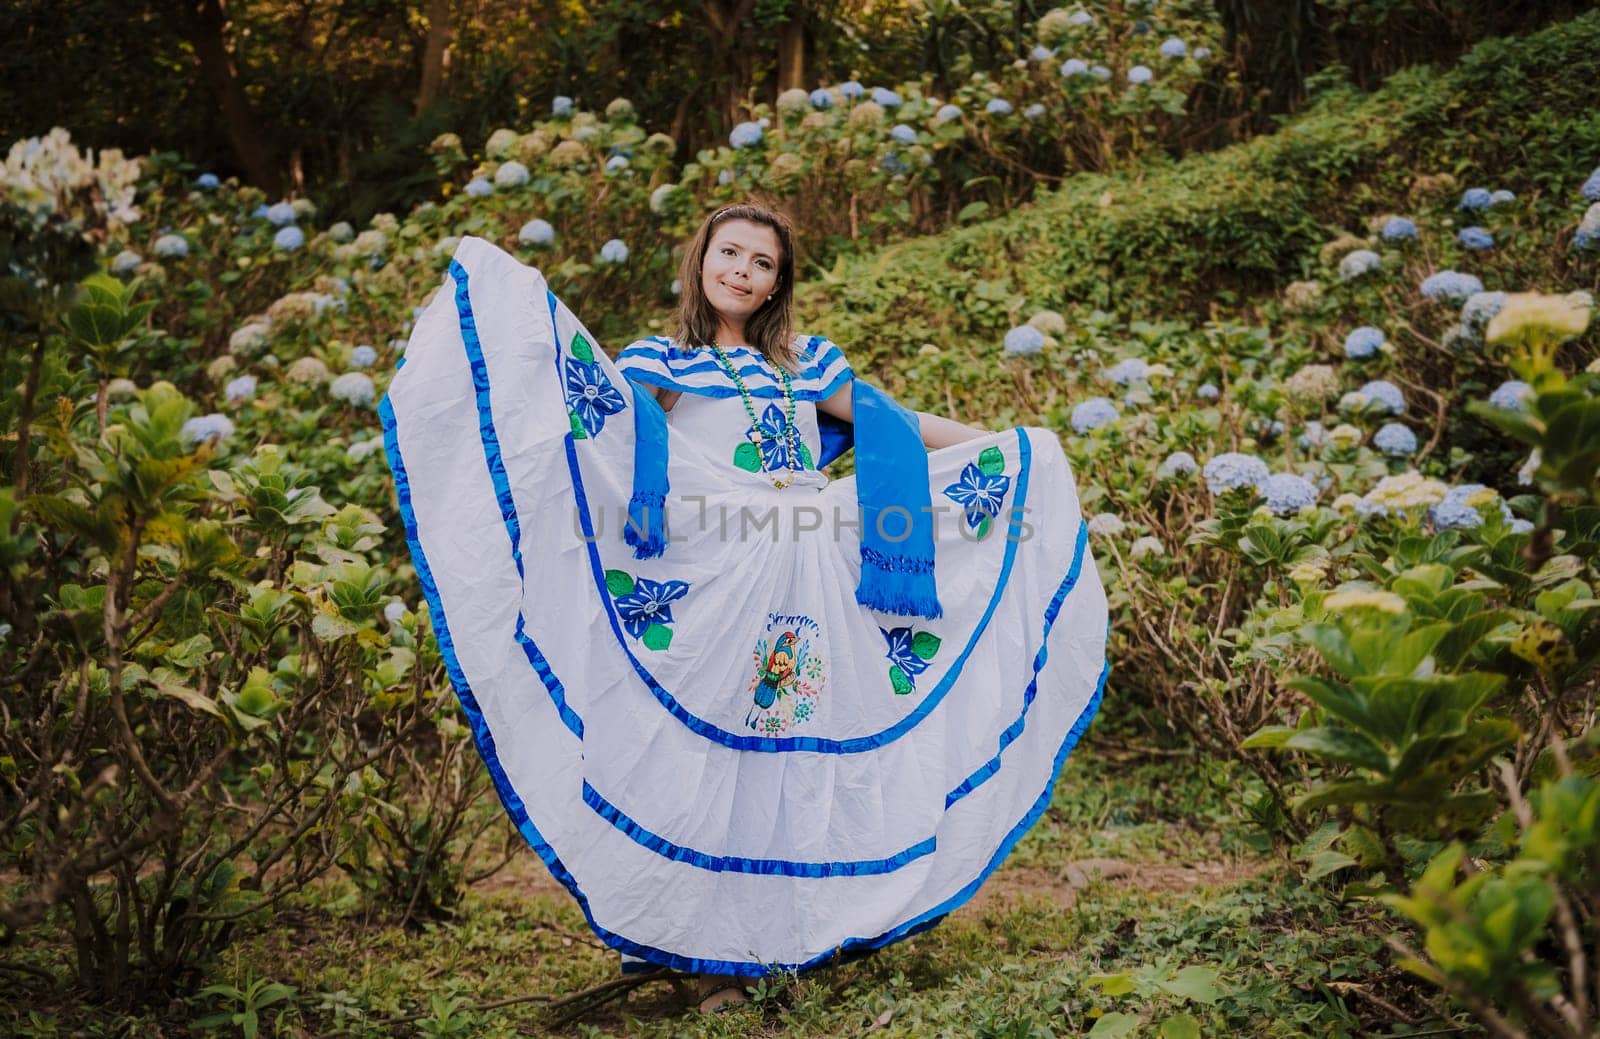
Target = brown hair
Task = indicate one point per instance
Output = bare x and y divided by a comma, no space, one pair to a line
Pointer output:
770,328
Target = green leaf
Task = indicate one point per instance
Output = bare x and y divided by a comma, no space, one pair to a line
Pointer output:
991,462
578,432
581,348
657,637
1180,1026
1112,984
982,529
747,456
1114,1026
971,211
190,697
897,678
1326,862
1194,982
1268,737
619,582
925,644
1342,745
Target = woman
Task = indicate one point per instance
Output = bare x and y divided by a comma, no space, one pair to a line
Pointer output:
753,718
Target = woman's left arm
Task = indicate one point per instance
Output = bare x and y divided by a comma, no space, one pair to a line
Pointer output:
937,431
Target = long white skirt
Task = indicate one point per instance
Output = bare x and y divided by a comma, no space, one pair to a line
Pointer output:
732,765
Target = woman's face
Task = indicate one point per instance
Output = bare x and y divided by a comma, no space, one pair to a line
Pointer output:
741,268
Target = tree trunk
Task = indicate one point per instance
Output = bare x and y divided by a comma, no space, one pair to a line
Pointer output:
792,51
206,26
725,20
433,55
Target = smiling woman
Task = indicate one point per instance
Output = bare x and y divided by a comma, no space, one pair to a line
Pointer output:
808,716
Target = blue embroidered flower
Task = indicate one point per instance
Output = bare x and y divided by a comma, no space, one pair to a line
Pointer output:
591,395
649,603
901,655
980,493
774,444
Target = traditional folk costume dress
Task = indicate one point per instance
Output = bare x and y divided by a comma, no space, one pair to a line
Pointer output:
750,727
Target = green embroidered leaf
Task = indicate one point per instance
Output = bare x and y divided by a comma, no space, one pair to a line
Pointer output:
747,456
578,432
925,644
619,582
897,678
581,348
657,636
983,528
805,456
991,461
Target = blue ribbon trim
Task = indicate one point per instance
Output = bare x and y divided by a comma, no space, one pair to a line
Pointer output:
774,392
645,530
735,864
502,489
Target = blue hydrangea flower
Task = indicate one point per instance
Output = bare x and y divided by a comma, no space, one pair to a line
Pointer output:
649,603
614,251
1501,197
903,134
1128,371
851,90
1286,493
514,174
1313,436
1521,526
1395,440
126,262
591,395
1386,393
1100,72
363,356
1451,285
746,135
172,247
885,97
998,106
1041,53
288,239
1141,27
821,98
207,182
1140,74
1363,342
536,232
1078,19
1179,463
1208,392
1232,470
1202,53
1476,313
205,427
979,493
281,214
616,163
1074,67
1024,340
561,106
894,164
1358,262
1454,512
478,187
1476,198
1511,395
240,390
1172,47
901,655
1591,187
1399,229
1033,112
354,388
260,212
947,113
1476,238
1092,414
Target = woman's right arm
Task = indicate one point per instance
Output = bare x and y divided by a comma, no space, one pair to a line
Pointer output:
667,398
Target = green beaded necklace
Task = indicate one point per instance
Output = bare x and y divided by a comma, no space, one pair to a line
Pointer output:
790,432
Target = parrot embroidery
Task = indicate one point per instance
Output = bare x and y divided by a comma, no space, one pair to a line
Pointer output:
776,676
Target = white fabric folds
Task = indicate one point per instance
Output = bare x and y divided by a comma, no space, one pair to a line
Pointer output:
732,765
